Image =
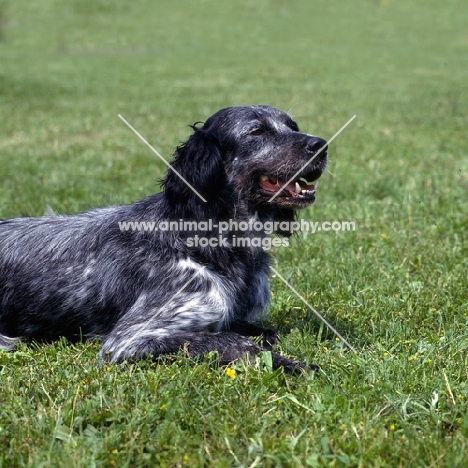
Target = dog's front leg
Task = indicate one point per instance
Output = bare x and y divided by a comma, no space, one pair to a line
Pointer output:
230,347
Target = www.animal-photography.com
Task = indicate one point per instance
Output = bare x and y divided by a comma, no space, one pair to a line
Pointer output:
233,234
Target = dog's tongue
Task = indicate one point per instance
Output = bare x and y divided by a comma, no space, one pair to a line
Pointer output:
292,189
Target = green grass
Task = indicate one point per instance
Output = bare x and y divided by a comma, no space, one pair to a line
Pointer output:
396,287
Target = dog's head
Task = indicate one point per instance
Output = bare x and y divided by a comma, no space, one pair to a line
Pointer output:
252,155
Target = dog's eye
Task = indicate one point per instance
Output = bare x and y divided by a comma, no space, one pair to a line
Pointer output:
294,127
256,132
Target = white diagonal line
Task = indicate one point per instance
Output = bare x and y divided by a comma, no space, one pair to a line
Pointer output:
315,155
144,326
154,151
320,316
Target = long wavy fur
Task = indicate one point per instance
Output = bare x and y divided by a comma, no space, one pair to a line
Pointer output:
147,293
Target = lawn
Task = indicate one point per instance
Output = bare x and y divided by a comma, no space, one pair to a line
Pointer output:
396,287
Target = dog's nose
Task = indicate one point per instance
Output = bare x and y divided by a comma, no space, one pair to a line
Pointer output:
315,143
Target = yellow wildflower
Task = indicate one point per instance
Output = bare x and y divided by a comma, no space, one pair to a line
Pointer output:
230,372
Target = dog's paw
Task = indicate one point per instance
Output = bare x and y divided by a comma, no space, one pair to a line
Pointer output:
298,367
291,366
313,368
269,338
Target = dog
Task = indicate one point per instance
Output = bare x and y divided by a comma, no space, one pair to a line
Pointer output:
146,293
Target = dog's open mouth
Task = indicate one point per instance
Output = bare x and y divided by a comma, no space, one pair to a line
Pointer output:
300,188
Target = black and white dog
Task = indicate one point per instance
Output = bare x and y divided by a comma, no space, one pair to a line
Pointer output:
150,292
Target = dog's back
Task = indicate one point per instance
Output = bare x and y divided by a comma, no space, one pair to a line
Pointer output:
50,278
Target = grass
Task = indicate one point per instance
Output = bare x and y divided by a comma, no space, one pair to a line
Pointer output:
396,287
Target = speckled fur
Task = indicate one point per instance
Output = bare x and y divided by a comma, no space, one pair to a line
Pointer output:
148,293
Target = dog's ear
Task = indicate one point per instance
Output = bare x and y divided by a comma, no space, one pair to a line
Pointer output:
196,178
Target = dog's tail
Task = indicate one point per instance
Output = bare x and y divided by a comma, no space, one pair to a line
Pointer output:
7,343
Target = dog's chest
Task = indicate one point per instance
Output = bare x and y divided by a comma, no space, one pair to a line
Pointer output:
257,297
254,297
240,292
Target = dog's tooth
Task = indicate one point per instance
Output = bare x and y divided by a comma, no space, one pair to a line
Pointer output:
298,188
264,177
